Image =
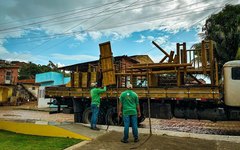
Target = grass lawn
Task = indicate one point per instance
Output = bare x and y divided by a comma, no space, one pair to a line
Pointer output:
14,141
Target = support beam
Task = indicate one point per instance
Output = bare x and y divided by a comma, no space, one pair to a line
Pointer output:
154,43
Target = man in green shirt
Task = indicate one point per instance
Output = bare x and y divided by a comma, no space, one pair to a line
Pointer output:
95,103
130,110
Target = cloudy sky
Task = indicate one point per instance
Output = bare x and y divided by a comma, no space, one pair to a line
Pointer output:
69,31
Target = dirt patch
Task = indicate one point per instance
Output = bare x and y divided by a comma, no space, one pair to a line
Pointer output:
111,141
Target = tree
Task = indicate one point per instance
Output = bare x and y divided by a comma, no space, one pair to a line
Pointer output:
224,29
29,70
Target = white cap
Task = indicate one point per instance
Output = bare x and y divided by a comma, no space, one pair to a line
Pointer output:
129,86
94,84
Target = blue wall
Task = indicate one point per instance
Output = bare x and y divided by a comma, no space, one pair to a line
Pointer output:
51,79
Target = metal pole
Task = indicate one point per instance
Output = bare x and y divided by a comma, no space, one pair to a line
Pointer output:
149,105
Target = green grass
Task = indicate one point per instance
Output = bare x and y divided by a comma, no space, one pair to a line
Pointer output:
14,141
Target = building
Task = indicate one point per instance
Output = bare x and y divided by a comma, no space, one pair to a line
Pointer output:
8,74
48,79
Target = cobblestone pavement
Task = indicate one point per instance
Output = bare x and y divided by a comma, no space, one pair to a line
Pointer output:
195,126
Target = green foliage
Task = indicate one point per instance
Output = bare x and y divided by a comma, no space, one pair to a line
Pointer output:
224,29
14,141
29,70
197,51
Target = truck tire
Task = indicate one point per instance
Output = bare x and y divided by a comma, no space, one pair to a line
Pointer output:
112,117
87,114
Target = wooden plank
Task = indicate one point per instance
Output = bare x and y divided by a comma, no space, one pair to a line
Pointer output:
93,77
153,80
171,57
204,56
176,59
107,64
216,73
84,79
158,65
184,53
76,81
211,60
178,53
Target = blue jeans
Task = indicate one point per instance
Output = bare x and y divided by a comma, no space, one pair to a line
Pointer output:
95,110
134,121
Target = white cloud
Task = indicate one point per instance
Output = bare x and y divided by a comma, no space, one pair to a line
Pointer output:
3,50
141,40
95,35
96,18
120,18
81,37
161,39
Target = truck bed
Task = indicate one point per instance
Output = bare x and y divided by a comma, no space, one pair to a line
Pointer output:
174,93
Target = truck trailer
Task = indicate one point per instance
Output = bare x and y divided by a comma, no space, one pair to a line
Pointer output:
170,88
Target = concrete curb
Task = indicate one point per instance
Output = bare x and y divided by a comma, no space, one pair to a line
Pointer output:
77,145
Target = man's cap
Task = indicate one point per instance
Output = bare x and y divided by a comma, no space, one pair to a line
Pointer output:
94,84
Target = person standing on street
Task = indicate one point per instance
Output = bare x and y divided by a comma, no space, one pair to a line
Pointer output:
95,103
129,109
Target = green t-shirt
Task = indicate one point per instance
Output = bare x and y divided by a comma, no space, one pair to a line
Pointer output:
129,100
95,95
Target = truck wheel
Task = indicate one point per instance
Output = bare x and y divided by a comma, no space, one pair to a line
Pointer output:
112,117
87,114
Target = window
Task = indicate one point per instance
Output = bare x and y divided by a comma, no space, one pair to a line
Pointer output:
236,73
8,75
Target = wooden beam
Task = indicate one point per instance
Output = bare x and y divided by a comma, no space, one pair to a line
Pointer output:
164,58
216,73
154,43
158,65
171,57
176,59
178,53
199,82
184,53
211,60
204,60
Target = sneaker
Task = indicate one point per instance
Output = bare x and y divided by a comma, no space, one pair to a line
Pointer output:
124,141
97,129
136,140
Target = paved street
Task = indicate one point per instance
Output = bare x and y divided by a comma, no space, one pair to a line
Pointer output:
168,134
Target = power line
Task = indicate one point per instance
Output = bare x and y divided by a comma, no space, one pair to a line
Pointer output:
67,30
63,19
149,18
58,17
194,23
88,28
63,12
121,25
